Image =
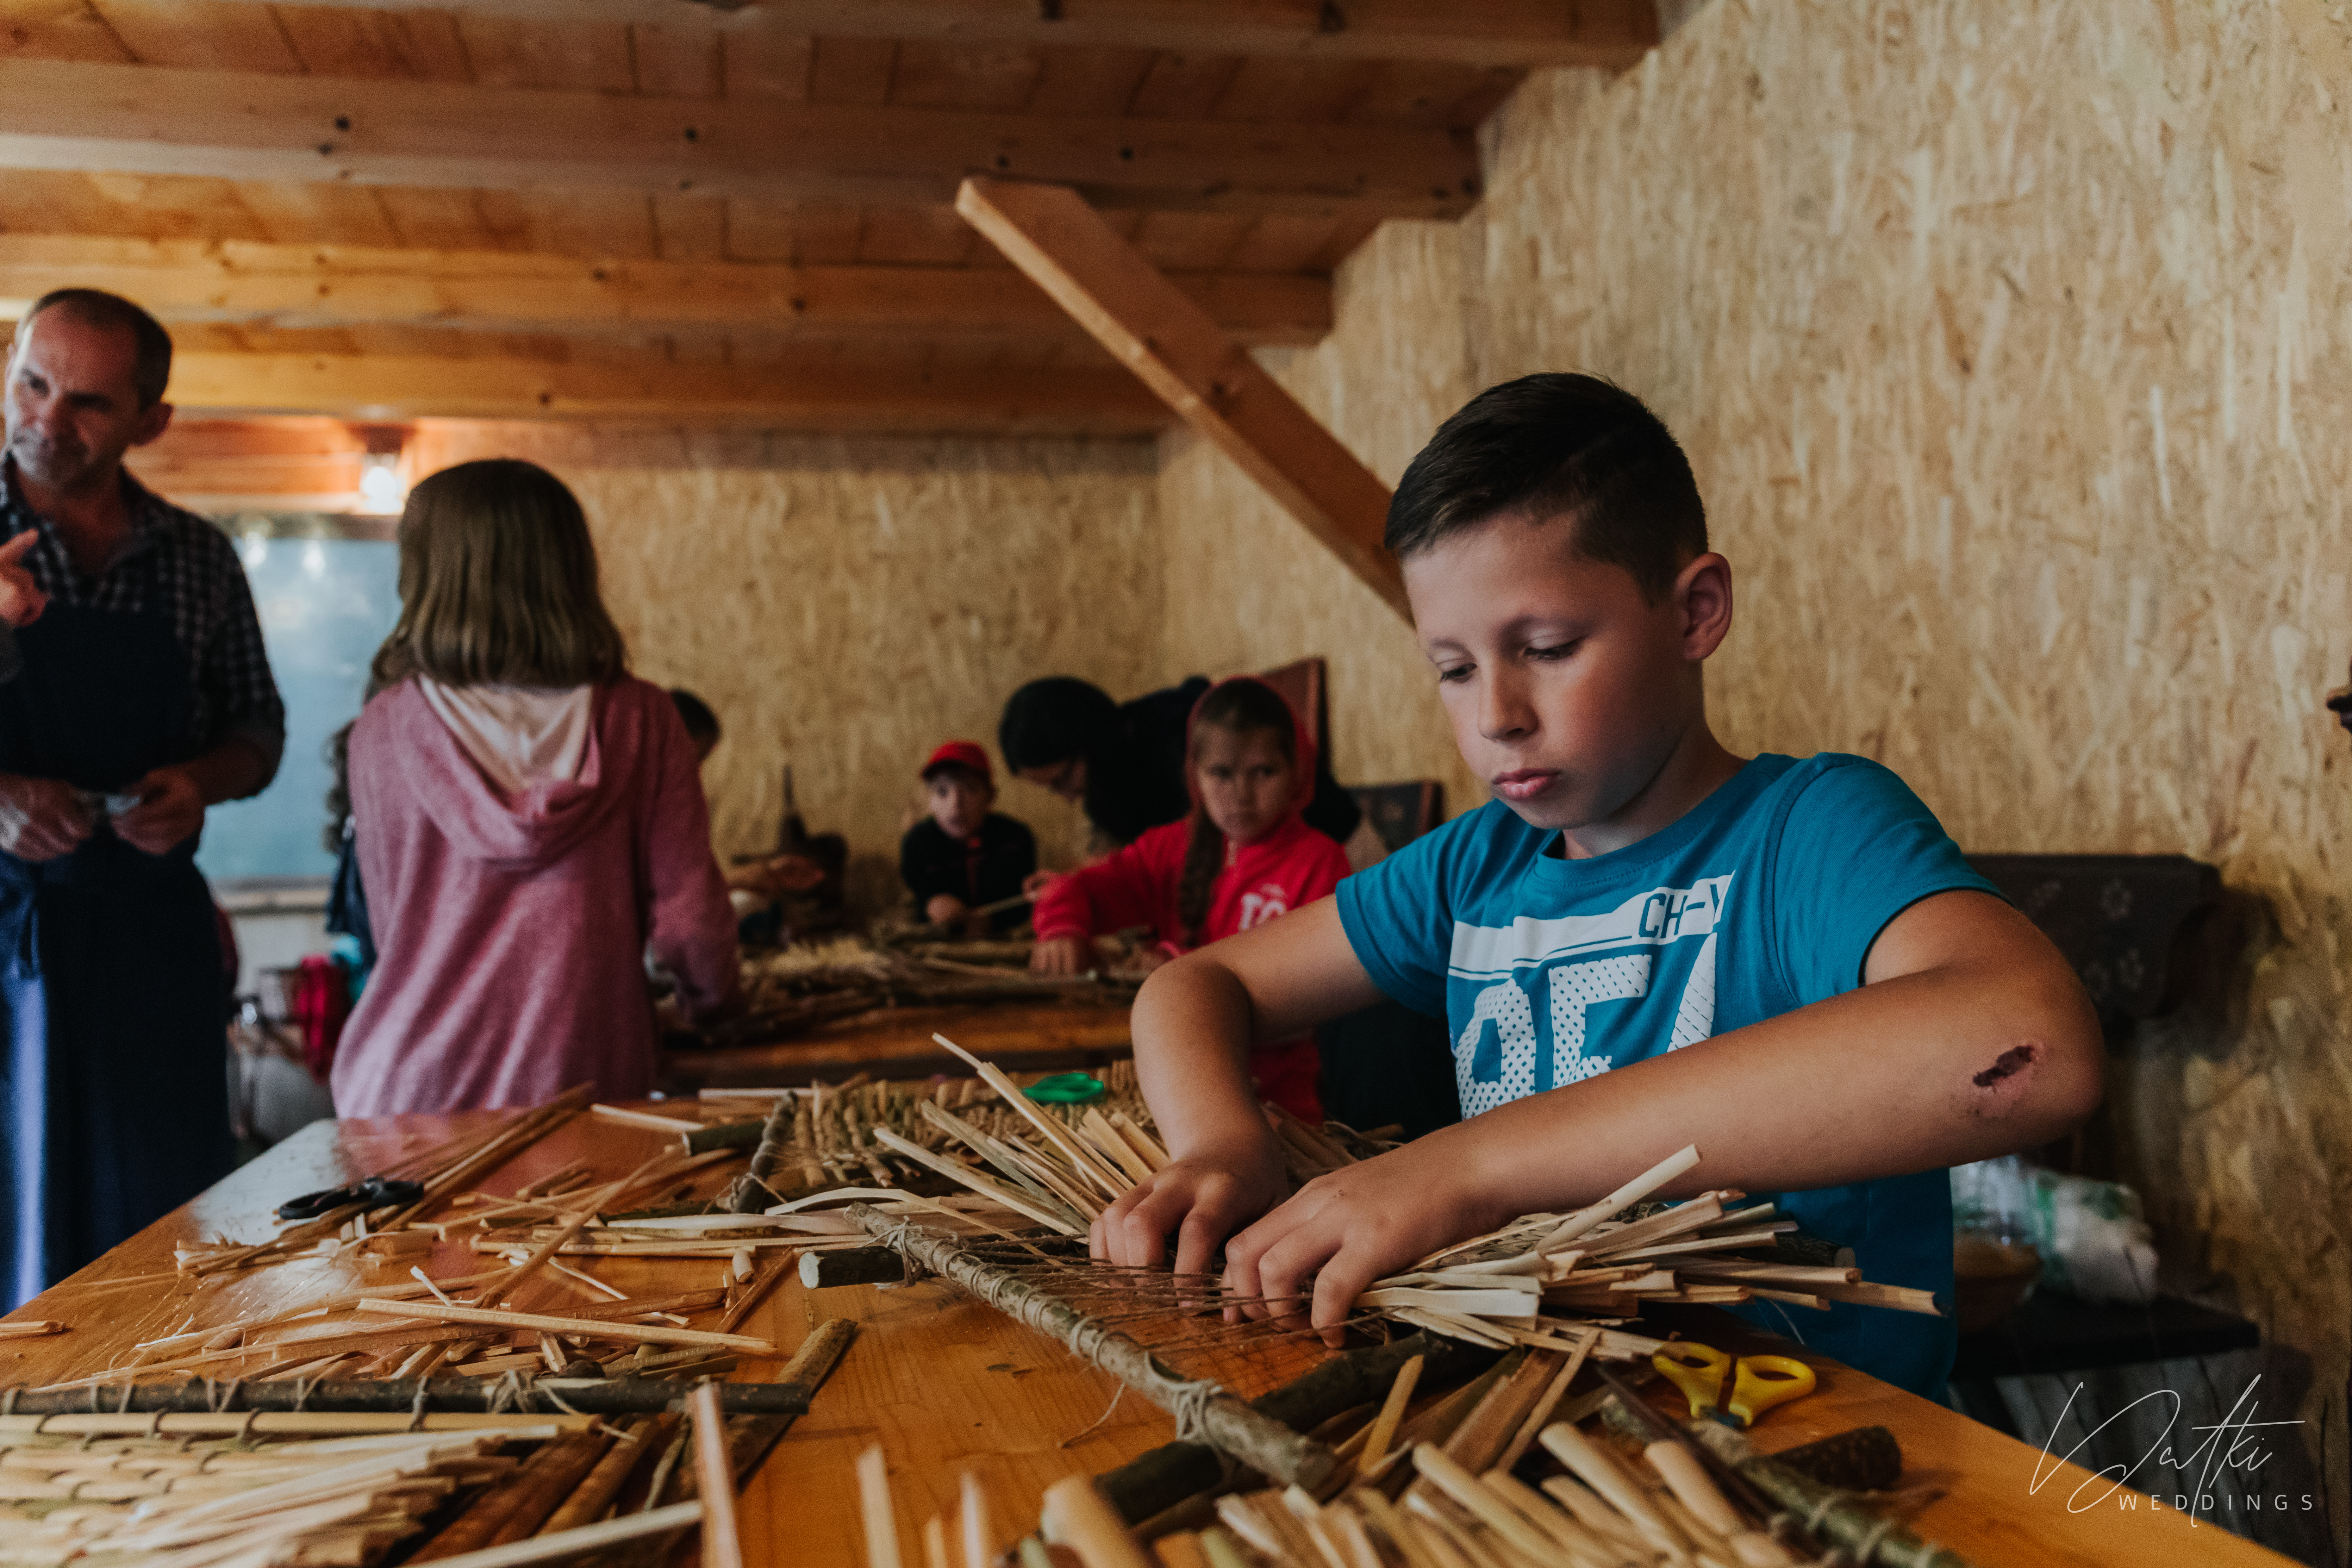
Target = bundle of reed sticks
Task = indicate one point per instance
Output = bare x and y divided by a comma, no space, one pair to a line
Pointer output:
334,1490
1496,1474
469,1324
795,988
1562,1283
332,1501
441,1169
1546,1278
828,1136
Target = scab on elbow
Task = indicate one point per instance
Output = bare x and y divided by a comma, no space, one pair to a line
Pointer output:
2007,1081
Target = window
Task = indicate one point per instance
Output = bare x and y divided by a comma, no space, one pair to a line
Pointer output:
328,596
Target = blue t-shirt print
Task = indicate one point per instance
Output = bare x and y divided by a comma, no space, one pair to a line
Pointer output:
1569,966
1763,899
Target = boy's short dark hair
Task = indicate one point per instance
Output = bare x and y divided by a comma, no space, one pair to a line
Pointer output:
151,362
701,723
1557,445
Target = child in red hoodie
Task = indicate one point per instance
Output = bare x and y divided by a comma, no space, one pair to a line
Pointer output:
1243,857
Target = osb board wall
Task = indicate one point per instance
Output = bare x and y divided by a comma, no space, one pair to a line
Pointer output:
2010,346
846,606
1248,588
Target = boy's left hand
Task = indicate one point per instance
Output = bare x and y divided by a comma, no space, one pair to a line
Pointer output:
1354,1225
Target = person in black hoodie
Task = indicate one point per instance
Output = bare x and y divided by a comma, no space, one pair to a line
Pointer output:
963,857
1125,762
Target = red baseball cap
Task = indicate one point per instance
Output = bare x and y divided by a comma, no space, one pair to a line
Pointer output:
964,755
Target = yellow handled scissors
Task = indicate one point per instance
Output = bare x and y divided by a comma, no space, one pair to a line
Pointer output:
1757,1382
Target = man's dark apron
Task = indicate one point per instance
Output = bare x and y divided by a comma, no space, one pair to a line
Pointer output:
114,1081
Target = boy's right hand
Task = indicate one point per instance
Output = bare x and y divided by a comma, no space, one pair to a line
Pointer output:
1202,1199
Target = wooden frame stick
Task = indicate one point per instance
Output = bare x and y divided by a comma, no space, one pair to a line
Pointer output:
292,1424
587,1328
788,1395
1218,1419
715,1479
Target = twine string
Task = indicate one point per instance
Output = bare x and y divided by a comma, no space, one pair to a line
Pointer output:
1865,1551
1830,1500
1116,1395
1190,1400
507,1393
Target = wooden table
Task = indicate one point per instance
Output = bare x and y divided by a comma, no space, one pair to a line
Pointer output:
896,1042
945,1385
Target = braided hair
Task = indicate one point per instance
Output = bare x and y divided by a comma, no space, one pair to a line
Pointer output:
1242,707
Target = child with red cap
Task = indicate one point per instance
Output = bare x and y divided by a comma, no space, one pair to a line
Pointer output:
964,857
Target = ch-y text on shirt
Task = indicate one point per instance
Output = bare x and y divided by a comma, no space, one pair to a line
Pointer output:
1537,982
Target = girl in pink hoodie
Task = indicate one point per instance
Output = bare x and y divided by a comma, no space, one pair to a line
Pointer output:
1243,857
527,817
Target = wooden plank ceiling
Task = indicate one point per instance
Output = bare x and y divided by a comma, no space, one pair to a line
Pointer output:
662,208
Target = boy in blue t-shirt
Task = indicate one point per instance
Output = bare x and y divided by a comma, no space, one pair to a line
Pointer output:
1643,941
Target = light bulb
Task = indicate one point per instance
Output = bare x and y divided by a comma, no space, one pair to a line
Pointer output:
380,484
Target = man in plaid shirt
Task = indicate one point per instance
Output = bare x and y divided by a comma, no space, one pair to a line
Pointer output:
144,697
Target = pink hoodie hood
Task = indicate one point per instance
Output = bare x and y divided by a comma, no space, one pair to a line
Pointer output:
511,931
1302,762
481,821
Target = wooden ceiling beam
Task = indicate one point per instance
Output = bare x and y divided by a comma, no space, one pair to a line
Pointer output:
1523,33
988,401
301,459
238,125
1209,379
296,286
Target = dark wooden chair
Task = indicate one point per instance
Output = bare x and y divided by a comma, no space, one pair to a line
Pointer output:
1400,813
1304,683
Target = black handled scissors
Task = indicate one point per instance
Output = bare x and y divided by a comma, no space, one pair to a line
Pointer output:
375,1193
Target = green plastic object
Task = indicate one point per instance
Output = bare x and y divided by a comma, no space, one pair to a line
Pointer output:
1067,1088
